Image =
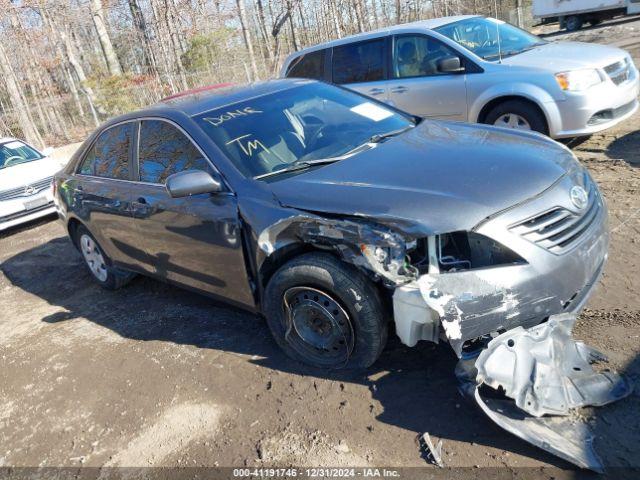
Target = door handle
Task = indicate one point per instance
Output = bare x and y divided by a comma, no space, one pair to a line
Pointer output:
376,91
399,89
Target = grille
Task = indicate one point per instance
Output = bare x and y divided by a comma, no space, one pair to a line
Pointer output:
559,229
20,191
618,72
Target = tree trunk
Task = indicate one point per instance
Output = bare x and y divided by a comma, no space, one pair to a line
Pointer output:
246,35
97,13
18,101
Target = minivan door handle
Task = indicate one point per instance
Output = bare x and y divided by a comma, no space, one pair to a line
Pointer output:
376,91
399,89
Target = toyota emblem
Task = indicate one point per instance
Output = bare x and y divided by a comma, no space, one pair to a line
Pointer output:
29,190
579,197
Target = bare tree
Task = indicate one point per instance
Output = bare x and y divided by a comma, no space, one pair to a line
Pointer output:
18,101
97,13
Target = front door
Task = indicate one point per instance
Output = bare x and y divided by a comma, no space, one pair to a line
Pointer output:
417,85
196,240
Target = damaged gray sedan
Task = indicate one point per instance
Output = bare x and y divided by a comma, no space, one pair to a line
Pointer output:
332,215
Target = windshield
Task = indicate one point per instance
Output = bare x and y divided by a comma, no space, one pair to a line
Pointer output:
307,123
15,152
490,38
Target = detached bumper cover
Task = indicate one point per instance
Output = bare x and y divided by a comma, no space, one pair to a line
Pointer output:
544,371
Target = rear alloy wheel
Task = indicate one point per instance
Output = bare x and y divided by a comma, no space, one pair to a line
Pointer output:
93,257
517,115
325,313
98,263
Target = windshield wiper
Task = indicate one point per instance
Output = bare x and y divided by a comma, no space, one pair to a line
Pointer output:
378,137
298,165
304,164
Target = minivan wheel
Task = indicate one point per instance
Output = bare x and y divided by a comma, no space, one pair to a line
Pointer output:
98,262
325,313
518,115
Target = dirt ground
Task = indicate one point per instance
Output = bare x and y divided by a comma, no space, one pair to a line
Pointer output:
152,375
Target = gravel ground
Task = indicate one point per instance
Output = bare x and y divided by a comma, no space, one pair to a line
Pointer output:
153,375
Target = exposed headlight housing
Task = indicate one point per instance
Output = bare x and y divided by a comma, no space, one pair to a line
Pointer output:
578,80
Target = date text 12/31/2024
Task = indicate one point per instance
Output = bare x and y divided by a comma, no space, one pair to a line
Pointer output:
316,472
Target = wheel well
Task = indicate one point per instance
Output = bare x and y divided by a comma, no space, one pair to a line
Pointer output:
274,261
288,253
72,227
497,101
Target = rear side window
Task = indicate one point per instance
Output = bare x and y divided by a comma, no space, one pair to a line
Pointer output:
109,156
164,150
359,62
310,65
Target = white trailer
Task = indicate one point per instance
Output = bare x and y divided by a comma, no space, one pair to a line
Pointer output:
572,14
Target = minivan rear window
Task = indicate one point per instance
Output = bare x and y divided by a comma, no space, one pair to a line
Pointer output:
310,65
359,62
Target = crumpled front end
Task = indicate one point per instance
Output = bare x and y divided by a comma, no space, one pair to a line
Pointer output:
556,253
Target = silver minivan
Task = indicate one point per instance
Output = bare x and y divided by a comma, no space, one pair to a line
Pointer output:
480,69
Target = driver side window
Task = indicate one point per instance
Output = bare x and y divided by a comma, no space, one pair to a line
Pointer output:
419,56
165,150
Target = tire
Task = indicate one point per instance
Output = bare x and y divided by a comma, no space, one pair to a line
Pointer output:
341,299
524,110
573,23
98,263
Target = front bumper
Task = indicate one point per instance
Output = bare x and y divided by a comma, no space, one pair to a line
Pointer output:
24,209
599,108
464,305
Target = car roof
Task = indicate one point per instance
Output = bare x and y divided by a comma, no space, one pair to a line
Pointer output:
429,24
199,100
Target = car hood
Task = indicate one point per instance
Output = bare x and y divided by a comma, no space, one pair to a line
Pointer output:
25,173
563,56
439,177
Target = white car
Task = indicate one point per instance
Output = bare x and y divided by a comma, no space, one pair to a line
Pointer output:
25,182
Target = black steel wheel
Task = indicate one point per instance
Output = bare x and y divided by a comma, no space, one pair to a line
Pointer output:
325,313
317,325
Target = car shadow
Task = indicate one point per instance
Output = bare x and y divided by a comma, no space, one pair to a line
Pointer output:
415,386
626,148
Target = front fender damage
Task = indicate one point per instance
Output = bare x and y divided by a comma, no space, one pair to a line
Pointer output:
545,375
378,250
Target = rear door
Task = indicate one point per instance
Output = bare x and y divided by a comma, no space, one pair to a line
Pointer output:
362,66
104,193
417,86
194,241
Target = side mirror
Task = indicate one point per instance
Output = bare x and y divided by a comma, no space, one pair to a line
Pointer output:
192,182
47,151
450,65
